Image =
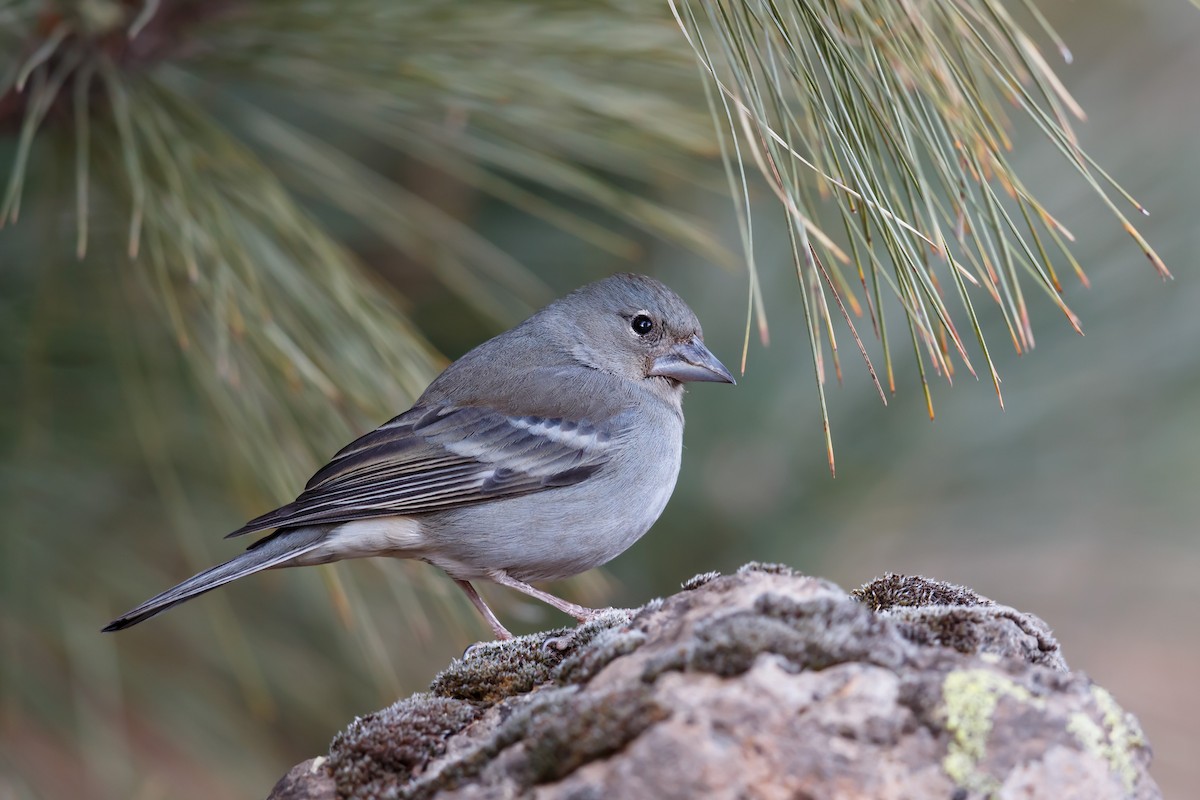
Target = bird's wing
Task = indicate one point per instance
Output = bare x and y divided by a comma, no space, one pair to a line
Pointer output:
440,457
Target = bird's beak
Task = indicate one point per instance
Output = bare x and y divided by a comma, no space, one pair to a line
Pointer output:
691,361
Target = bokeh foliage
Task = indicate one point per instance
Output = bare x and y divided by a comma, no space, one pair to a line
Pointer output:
185,287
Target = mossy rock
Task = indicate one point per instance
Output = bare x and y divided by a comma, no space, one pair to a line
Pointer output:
762,683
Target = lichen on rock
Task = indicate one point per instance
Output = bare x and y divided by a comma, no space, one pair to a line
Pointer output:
970,698
1117,738
761,683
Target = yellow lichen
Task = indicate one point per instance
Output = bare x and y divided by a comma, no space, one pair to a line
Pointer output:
1089,734
1114,741
969,698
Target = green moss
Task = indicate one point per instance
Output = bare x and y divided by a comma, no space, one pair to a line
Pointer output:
1115,741
969,700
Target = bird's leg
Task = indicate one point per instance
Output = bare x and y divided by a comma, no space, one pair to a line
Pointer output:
581,613
477,601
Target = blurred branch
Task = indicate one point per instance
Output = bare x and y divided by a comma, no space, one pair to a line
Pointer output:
161,107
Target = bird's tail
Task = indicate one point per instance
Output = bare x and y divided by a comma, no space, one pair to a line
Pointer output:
273,551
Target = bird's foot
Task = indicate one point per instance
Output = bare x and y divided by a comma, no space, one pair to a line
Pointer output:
580,613
499,631
586,615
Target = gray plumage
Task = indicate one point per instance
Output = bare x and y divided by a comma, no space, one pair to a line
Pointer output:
540,454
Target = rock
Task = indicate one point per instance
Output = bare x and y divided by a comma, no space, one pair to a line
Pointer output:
308,780
762,684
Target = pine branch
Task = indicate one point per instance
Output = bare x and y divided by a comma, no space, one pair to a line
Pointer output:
898,114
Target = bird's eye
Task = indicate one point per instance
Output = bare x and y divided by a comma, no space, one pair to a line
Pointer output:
642,324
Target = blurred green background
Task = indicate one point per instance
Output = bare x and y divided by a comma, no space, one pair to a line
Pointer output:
1079,502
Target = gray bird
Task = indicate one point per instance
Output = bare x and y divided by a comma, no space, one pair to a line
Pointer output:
540,454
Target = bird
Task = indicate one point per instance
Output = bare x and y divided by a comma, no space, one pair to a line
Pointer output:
542,453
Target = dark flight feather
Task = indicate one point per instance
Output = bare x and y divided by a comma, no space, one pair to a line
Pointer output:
434,458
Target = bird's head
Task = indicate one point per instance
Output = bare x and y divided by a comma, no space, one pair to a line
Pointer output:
637,328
